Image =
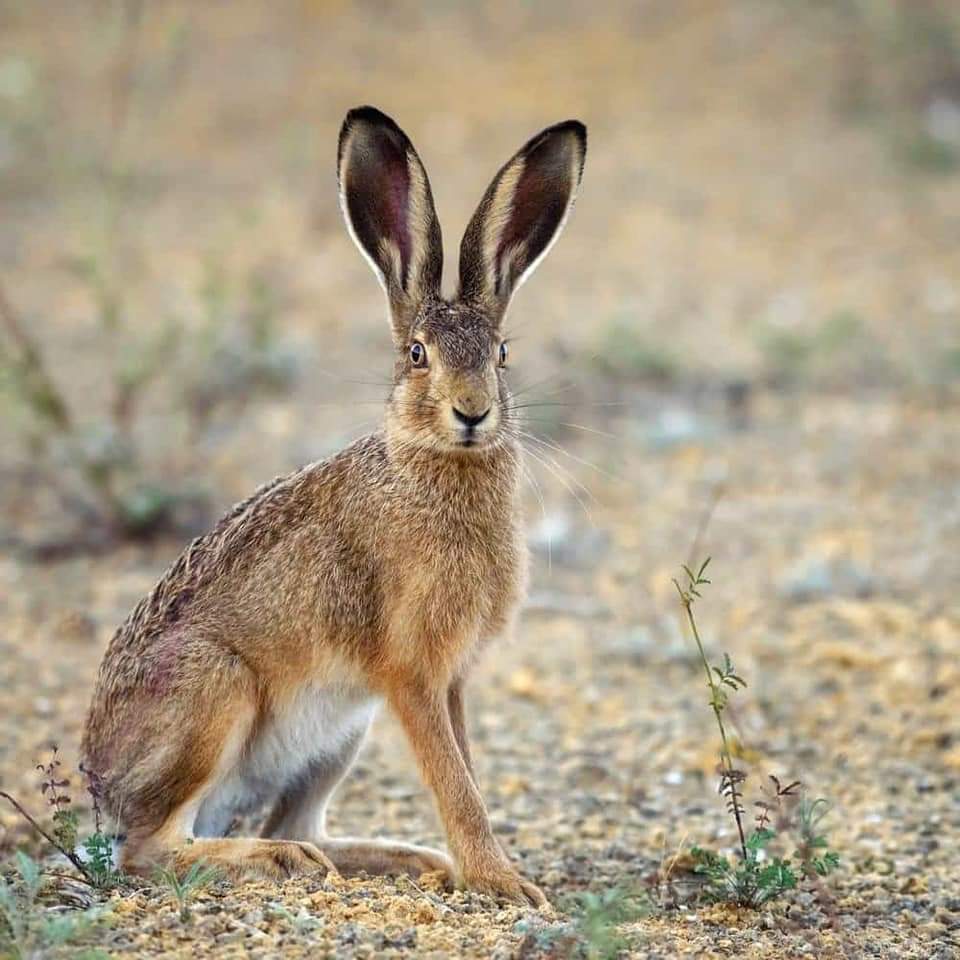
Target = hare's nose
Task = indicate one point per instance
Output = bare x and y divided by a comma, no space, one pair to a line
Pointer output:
469,421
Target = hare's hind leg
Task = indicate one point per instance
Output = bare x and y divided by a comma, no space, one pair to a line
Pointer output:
180,769
300,813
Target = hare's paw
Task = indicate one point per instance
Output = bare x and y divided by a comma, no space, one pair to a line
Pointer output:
280,859
236,858
424,860
506,883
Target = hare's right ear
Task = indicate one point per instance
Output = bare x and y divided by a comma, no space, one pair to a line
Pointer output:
386,201
521,214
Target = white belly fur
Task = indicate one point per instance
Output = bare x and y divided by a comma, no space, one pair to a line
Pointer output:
318,724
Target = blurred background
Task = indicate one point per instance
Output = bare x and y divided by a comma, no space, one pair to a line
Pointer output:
748,340
771,199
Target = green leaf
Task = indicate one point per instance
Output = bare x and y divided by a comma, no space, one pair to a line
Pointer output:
827,863
759,839
29,872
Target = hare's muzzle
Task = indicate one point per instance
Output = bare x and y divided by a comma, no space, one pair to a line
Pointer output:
469,424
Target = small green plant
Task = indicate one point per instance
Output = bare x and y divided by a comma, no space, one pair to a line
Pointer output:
720,681
185,887
98,846
301,923
26,929
592,931
97,867
597,917
756,877
816,859
65,821
748,882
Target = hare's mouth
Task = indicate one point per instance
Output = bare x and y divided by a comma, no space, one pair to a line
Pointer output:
470,438
471,441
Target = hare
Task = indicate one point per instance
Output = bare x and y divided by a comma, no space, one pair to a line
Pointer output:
251,672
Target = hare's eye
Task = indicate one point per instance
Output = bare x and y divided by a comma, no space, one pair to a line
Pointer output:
418,354
503,354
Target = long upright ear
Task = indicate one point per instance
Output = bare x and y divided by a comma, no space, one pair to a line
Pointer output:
521,214
386,201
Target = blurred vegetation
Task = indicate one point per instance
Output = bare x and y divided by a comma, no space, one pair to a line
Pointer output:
103,463
171,365
220,351
625,351
902,73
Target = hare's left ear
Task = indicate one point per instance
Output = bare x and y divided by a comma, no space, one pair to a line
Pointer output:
388,206
521,215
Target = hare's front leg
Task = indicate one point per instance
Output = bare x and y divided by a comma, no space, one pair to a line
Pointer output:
425,715
458,721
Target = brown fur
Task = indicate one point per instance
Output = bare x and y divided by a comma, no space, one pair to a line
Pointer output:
381,571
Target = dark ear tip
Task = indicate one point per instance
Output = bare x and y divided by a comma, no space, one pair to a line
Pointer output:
367,114
566,127
371,117
558,131
578,129
373,120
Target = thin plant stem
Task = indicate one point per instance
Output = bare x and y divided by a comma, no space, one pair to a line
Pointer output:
69,854
717,697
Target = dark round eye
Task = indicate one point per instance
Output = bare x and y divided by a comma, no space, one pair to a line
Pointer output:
418,354
503,354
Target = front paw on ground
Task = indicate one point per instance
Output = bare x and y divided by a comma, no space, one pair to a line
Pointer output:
509,885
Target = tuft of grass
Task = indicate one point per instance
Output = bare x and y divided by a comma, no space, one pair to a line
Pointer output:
27,930
756,876
184,888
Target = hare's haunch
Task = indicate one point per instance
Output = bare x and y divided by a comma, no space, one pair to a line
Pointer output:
251,672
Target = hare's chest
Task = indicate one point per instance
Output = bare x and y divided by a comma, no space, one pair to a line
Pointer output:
465,594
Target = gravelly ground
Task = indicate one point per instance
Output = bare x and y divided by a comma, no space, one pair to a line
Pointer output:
595,748
740,202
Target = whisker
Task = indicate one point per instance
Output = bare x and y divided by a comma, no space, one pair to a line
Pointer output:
558,448
526,387
545,445
556,471
593,430
563,423
556,403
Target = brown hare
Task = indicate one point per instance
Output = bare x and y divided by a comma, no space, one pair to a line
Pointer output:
251,672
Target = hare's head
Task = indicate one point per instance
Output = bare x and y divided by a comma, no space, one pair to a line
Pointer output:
449,377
